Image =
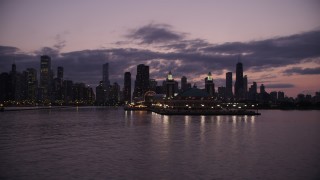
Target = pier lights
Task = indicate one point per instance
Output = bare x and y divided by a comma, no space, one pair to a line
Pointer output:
187,105
234,105
202,105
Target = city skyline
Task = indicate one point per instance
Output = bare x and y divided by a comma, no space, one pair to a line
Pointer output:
53,86
278,49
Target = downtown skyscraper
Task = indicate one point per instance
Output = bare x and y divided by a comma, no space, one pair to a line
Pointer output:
105,80
184,83
170,86
229,93
239,84
141,85
57,89
105,75
46,77
60,72
209,85
127,87
32,84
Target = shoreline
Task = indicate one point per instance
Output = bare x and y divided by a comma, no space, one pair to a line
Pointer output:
28,108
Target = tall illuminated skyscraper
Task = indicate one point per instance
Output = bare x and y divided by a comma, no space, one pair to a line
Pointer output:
46,76
209,85
170,86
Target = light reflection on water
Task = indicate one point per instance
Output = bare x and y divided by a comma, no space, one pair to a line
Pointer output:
109,143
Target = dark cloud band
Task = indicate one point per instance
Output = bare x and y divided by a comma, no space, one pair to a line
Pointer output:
299,70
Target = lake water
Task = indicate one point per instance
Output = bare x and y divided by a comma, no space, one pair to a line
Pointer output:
109,143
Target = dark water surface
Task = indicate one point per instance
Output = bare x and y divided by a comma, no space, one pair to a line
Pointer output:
108,143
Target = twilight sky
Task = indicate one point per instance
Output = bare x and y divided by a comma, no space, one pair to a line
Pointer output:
279,41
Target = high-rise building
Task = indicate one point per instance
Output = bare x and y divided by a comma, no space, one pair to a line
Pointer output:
280,95
308,98
141,85
245,86
254,87
15,92
152,84
229,93
127,87
5,87
82,94
262,89
57,85
90,95
209,85
188,85
252,94
79,92
301,98
176,87
32,84
101,94
105,79
45,77
67,91
264,97
105,74
13,68
222,92
184,83
170,86
238,87
273,96
60,72
24,85
114,98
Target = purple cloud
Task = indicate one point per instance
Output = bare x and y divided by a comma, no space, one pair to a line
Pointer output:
302,71
155,33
